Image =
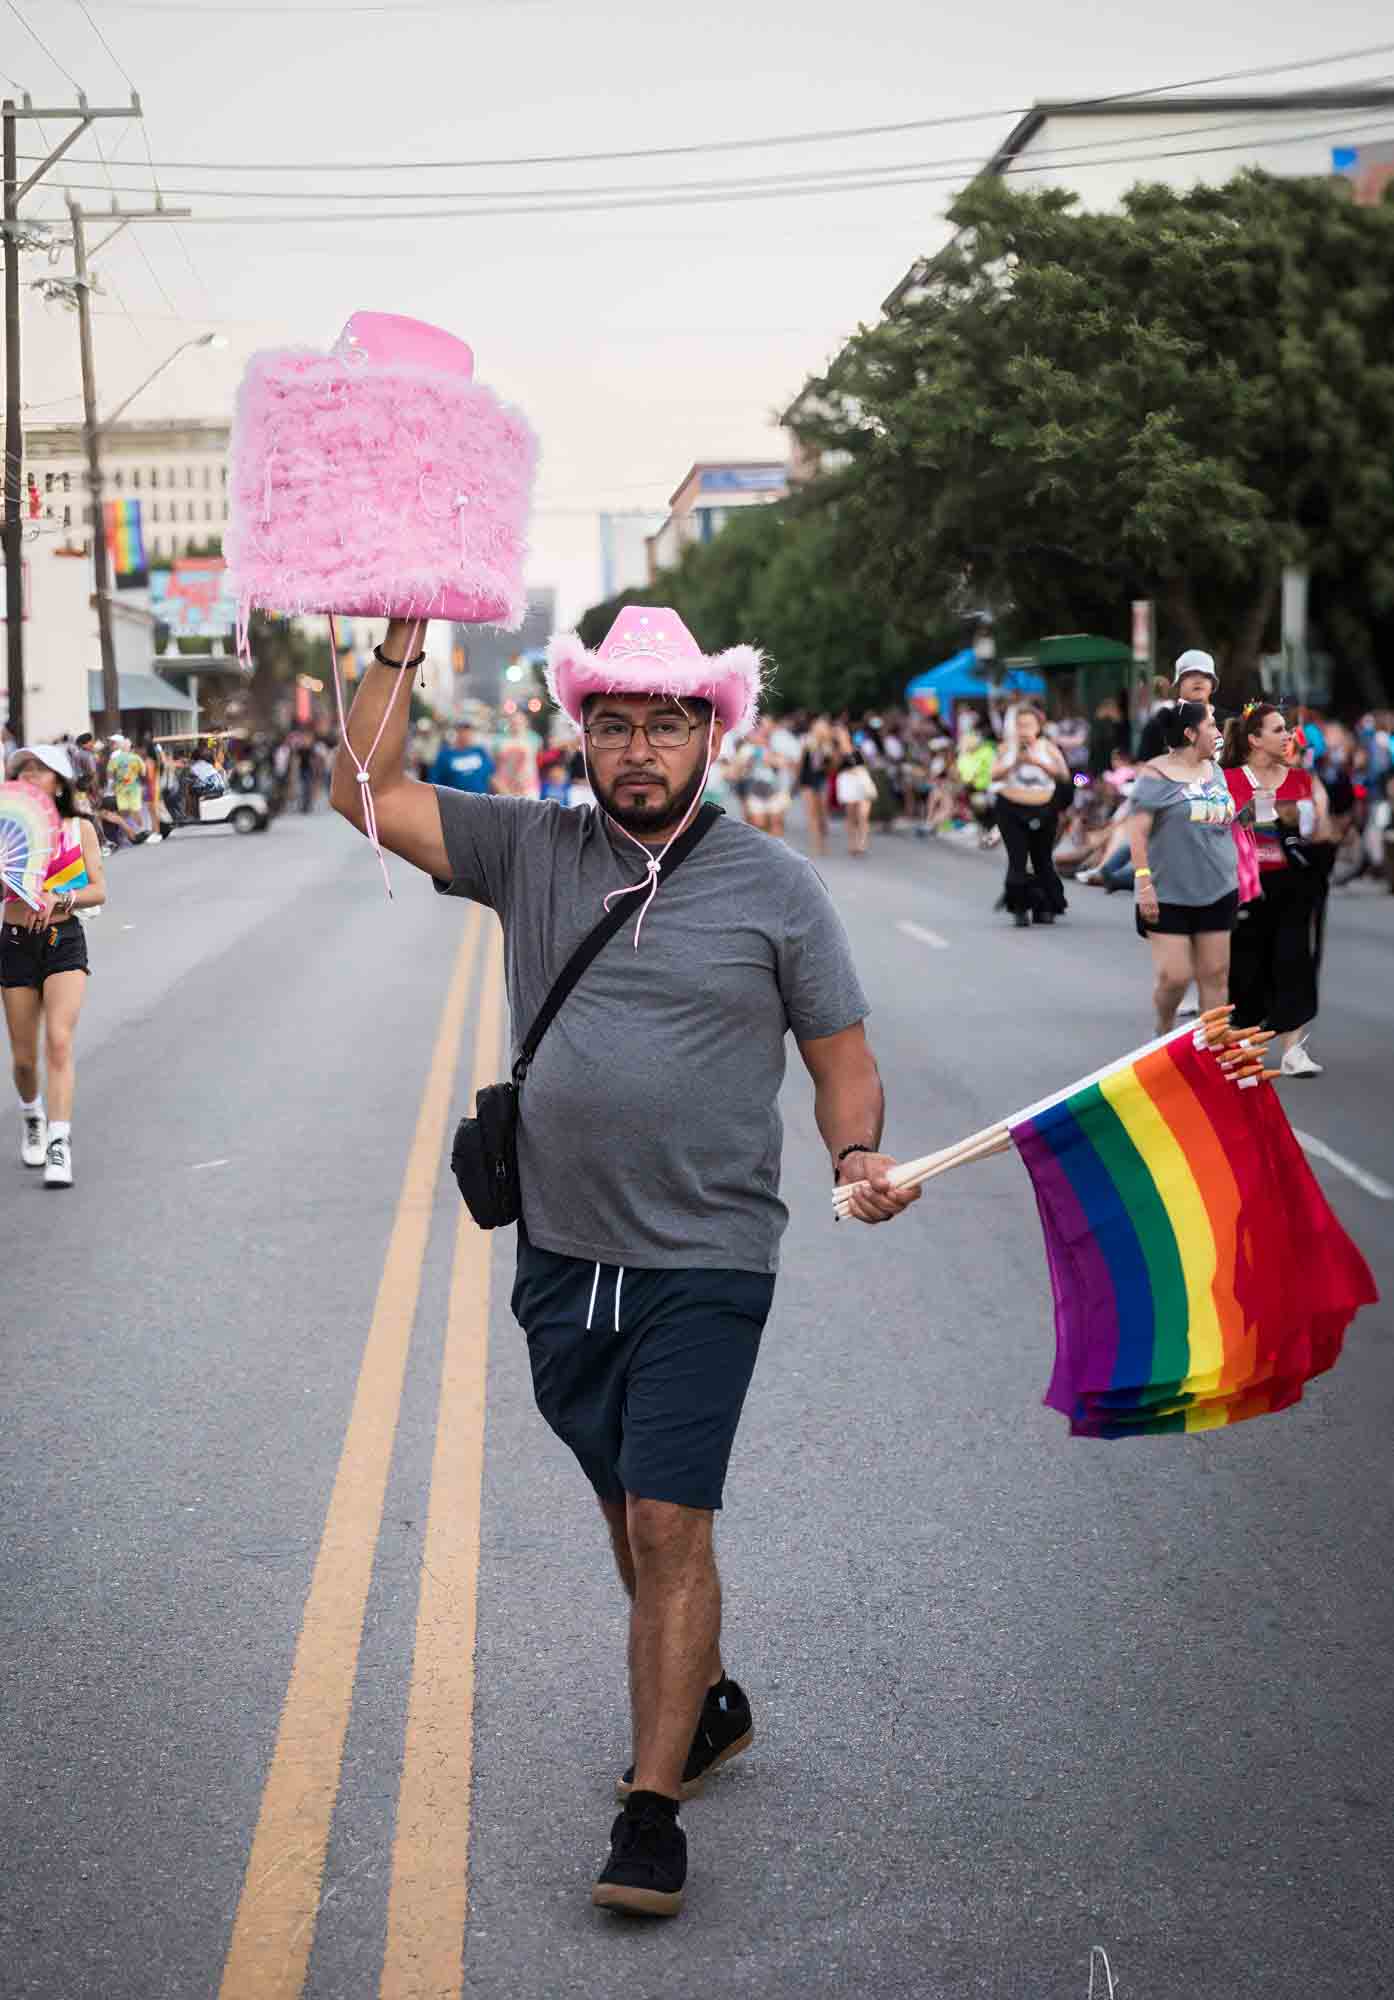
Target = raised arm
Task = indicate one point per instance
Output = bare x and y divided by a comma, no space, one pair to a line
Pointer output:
408,813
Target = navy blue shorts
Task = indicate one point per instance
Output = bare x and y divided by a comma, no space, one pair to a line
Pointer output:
642,1373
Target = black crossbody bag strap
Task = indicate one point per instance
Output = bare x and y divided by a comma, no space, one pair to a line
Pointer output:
595,941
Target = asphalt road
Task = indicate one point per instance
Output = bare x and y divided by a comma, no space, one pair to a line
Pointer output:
1015,1696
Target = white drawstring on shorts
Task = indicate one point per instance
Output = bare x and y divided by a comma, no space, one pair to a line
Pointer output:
595,1288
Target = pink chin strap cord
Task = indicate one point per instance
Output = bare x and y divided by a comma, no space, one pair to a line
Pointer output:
370,816
653,862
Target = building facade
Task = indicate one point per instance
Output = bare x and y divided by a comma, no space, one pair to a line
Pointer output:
1100,150
706,500
177,470
624,550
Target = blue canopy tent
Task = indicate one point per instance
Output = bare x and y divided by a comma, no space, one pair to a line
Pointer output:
961,679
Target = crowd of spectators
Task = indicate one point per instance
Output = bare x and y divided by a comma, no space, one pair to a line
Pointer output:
933,774
896,768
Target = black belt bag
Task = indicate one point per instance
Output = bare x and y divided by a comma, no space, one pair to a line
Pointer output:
484,1157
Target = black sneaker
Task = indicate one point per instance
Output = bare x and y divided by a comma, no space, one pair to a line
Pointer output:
647,1864
724,1729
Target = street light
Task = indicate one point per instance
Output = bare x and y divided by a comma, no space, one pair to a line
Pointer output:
214,340
93,431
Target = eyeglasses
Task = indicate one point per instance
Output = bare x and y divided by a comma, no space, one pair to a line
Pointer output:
665,732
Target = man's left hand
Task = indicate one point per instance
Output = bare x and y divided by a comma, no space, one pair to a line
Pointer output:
877,1201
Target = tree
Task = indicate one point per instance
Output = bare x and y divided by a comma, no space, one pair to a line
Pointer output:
1172,401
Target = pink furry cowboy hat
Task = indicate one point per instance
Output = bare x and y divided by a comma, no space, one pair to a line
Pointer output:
379,480
648,650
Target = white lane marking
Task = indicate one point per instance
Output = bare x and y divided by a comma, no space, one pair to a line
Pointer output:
918,931
1319,1150
199,1165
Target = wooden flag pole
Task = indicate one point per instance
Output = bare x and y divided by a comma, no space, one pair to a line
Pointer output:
1240,1051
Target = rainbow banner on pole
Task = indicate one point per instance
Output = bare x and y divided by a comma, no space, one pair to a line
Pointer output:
125,543
1200,1276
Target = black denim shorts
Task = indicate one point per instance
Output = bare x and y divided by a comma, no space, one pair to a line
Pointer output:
642,1373
1190,919
28,957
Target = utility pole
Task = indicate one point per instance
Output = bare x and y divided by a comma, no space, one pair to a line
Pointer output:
14,441
13,527
111,689
91,438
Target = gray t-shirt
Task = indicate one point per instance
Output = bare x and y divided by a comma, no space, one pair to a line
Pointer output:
1191,848
649,1129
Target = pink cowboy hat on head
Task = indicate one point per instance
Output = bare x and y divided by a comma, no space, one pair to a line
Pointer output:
648,650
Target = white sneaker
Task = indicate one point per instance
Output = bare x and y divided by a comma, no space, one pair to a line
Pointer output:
1296,1062
33,1142
58,1165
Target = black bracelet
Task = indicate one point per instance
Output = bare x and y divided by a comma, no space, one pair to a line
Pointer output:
396,666
858,1148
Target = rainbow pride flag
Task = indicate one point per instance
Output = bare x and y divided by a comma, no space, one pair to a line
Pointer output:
1200,1276
125,542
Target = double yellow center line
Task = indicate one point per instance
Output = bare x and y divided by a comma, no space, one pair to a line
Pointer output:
275,1924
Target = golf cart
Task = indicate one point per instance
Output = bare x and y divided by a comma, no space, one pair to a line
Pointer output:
192,800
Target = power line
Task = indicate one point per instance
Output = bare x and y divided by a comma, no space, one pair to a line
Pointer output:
130,83
764,142
257,7
129,79
801,176
35,35
870,183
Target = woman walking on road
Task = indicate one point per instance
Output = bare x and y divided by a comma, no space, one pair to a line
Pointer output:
815,761
1185,867
1277,940
856,793
1025,772
43,969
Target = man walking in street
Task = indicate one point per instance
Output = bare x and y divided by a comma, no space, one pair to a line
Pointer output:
464,765
649,1137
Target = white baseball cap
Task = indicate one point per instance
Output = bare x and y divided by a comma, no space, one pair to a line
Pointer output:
1194,661
52,754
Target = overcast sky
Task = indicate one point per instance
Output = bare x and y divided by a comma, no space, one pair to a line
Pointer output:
637,340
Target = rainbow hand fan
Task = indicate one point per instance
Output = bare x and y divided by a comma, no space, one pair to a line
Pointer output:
30,835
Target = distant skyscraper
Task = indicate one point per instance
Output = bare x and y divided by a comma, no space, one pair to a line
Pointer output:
624,556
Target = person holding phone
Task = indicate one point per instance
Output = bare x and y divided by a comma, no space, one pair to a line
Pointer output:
1277,940
1185,866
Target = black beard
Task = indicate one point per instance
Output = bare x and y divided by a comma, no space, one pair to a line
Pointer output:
640,820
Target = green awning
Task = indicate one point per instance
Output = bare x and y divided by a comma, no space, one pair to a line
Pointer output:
1067,650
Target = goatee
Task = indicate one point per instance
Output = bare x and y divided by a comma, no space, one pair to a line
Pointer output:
665,812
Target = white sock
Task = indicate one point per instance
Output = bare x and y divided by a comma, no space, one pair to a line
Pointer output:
34,1110
60,1128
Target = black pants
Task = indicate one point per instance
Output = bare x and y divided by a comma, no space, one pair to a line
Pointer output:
1275,952
1028,834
